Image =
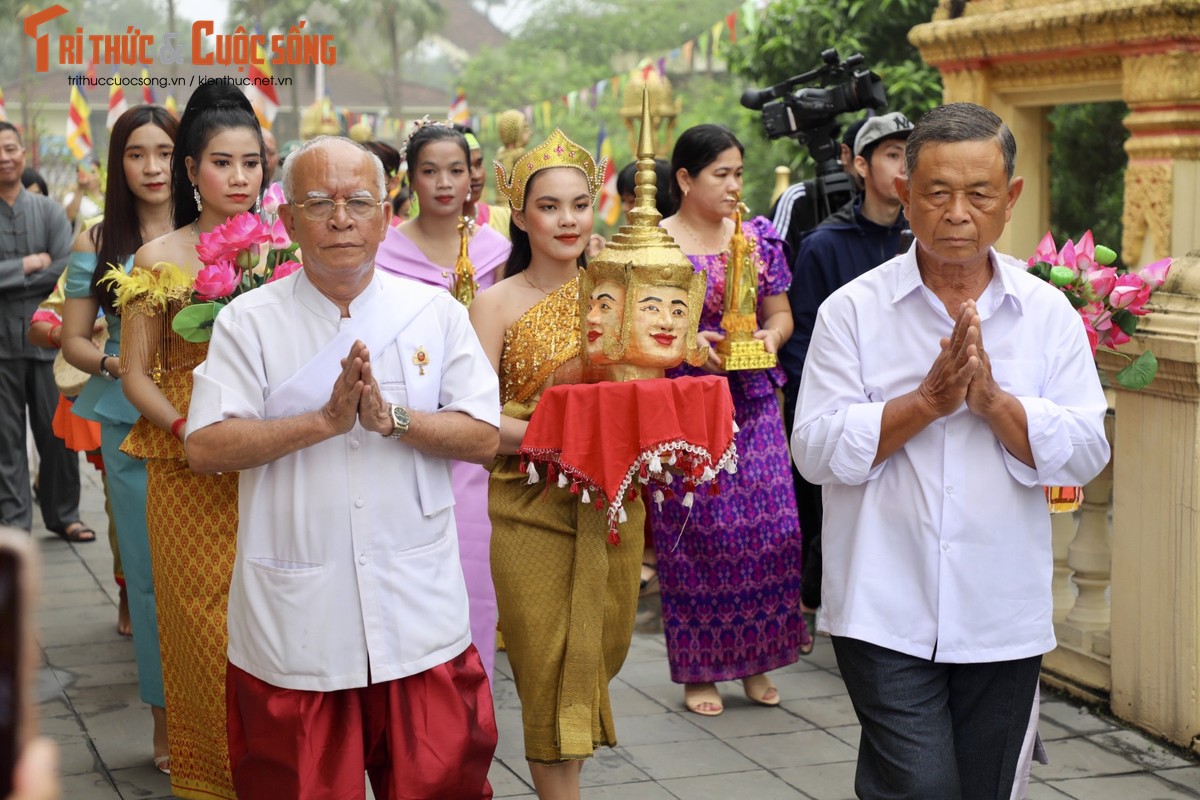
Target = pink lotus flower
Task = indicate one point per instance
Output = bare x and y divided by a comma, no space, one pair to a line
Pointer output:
1093,337
284,269
273,198
240,232
279,235
1130,292
216,281
1085,252
1066,257
1046,251
1102,280
1155,274
1116,337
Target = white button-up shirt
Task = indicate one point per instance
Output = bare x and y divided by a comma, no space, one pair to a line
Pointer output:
347,555
943,550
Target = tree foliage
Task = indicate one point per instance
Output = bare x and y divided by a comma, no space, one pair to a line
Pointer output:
1087,168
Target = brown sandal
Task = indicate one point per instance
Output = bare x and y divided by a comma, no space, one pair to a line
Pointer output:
77,533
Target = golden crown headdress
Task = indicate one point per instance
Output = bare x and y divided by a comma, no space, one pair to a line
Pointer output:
556,151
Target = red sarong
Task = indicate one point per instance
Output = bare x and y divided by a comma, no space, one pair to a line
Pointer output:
425,737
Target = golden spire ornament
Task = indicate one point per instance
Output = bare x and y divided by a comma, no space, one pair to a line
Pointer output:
739,349
462,281
642,265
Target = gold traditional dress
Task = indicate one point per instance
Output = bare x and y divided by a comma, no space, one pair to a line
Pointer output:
192,523
567,597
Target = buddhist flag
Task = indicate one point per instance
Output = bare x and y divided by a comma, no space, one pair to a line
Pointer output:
147,88
79,130
608,205
169,105
116,101
261,91
460,112
3,111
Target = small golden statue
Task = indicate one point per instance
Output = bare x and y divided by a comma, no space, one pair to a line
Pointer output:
462,281
740,350
640,297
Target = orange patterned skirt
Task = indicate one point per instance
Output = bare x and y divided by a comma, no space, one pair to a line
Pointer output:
192,521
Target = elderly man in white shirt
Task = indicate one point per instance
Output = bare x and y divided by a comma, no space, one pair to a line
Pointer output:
942,391
341,394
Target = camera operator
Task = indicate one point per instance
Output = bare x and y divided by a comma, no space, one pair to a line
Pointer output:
854,240
801,208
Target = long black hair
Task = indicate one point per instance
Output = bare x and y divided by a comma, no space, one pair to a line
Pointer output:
31,177
214,107
696,148
119,234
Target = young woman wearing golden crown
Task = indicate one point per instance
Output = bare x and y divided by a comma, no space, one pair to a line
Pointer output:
566,597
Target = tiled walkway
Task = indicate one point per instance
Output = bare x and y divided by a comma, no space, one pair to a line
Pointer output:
804,749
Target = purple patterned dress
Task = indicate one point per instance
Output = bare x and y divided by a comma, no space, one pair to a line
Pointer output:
731,582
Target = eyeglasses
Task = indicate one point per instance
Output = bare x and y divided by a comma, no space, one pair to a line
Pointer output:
320,209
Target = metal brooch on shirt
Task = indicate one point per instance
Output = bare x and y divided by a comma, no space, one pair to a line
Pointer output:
421,358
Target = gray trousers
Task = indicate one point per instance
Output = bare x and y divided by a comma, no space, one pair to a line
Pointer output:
936,731
29,384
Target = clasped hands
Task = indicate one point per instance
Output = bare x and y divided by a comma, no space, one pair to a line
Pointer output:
962,371
356,396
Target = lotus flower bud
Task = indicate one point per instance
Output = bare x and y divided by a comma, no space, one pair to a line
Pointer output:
247,259
1105,255
1061,276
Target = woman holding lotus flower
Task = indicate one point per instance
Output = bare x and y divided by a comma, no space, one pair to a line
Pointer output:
192,519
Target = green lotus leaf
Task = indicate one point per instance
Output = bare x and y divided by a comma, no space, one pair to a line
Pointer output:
195,323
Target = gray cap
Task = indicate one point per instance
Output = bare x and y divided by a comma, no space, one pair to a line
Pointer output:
893,125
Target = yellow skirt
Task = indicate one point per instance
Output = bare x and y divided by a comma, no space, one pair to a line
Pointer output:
192,522
568,600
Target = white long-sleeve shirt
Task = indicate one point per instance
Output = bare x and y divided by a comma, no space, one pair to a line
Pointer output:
943,550
347,556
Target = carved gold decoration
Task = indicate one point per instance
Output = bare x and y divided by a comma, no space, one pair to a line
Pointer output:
663,107
739,349
641,254
990,31
1148,208
462,283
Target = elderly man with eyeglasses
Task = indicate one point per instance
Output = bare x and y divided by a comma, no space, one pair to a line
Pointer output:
341,394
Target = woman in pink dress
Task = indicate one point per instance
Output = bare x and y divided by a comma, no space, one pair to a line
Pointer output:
425,249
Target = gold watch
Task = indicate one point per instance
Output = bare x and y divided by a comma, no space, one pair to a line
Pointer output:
399,421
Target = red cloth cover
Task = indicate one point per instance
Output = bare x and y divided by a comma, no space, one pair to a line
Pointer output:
601,438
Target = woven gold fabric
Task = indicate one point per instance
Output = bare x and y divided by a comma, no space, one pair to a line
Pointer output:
567,601
192,522
542,347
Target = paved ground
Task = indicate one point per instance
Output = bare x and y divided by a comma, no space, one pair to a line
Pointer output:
804,749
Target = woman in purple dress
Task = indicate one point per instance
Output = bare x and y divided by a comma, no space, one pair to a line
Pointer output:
425,249
729,568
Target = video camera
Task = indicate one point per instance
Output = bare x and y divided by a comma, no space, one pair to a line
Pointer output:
810,116
804,114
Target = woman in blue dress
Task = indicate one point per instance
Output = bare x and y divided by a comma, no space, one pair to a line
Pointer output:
137,209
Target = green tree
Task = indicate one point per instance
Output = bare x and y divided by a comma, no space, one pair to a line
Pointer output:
1087,168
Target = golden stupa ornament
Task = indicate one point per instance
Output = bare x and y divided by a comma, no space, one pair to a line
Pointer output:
739,349
640,298
462,281
556,151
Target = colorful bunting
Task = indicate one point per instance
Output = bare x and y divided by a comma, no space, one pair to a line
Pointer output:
116,101
79,130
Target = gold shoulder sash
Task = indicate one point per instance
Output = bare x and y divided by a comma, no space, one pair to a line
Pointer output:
542,340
